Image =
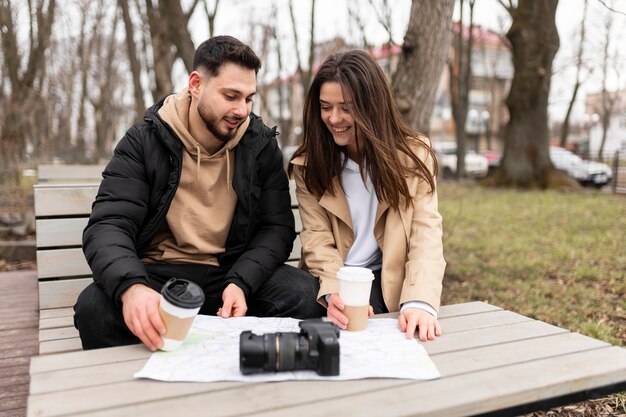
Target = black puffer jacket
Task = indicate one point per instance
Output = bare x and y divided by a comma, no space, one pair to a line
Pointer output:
138,186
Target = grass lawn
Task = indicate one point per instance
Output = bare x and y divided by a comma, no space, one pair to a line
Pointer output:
554,256
558,257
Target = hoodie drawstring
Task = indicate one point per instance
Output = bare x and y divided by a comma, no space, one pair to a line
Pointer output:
198,161
228,185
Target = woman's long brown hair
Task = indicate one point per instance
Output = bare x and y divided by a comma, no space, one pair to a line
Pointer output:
369,99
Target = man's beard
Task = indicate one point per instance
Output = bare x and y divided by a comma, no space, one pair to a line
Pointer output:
211,122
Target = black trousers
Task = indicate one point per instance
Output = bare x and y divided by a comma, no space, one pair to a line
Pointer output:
288,292
376,295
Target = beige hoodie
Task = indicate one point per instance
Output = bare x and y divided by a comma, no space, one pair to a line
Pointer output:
201,212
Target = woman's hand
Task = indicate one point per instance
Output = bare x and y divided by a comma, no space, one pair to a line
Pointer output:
427,325
335,311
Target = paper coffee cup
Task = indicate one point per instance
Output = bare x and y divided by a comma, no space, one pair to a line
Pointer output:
355,284
180,303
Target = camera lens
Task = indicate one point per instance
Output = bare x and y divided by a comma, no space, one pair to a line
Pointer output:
273,352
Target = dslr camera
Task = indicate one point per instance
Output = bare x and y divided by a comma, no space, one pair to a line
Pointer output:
316,347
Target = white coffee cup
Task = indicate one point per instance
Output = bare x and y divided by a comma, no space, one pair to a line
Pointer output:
355,285
181,301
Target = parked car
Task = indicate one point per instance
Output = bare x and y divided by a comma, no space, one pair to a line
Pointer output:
596,174
476,166
494,158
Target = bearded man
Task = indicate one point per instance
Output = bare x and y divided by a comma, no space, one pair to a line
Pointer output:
196,190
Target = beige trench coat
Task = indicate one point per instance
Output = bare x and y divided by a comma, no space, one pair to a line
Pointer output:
410,240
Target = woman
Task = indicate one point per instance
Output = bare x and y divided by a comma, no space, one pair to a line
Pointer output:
366,190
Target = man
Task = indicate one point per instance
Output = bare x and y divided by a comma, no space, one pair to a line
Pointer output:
196,191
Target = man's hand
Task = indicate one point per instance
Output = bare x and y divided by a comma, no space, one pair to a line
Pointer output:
428,326
234,302
335,311
141,314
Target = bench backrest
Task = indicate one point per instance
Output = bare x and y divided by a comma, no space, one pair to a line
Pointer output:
70,173
62,212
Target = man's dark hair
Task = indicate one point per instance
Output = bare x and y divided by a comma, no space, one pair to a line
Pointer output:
214,52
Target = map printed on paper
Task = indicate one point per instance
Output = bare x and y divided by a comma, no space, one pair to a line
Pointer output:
211,353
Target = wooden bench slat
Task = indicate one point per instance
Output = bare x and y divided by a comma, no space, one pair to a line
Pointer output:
487,336
64,200
40,364
56,312
70,173
59,346
56,322
60,232
292,193
298,220
297,249
63,293
61,263
46,335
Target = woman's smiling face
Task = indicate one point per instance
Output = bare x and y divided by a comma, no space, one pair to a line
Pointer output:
337,118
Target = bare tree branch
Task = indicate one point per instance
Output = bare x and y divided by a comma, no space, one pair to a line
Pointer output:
307,79
384,18
295,38
135,67
602,2
353,13
578,82
509,7
10,50
211,16
191,10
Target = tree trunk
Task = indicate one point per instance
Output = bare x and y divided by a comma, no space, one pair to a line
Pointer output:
568,114
606,120
176,25
135,67
608,99
304,73
423,56
104,104
163,53
535,41
577,84
460,75
15,122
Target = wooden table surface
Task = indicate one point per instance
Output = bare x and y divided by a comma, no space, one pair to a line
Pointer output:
490,359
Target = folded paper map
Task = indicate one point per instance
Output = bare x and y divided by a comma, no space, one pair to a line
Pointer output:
211,353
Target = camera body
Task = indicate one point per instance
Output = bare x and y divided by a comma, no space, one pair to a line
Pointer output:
316,347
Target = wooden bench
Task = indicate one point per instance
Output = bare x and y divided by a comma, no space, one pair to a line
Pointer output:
62,212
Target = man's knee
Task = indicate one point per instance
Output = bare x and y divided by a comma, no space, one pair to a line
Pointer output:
293,292
89,306
99,321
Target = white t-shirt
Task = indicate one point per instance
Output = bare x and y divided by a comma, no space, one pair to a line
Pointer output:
363,203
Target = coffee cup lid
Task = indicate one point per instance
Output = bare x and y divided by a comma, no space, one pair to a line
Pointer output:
183,293
355,273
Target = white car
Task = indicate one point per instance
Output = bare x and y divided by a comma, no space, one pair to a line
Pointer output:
476,165
591,173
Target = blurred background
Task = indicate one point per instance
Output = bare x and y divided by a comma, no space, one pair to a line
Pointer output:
76,74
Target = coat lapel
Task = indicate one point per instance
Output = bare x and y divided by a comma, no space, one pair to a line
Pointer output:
337,204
